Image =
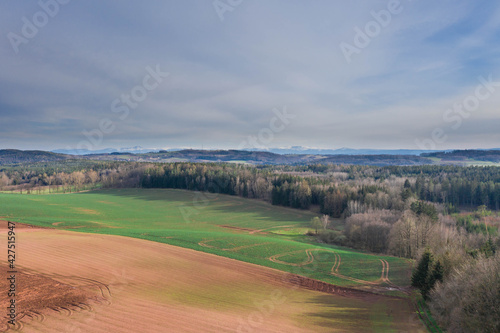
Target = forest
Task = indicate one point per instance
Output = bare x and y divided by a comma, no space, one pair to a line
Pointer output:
459,155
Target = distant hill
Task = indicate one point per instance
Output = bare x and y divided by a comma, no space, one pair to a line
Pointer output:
346,151
14,156
467,155
456,157
296,150
263,157
379,160
133,150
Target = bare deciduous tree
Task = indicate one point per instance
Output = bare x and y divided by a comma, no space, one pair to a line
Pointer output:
469,300
325,220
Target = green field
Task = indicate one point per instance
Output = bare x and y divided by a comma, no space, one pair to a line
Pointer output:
243,229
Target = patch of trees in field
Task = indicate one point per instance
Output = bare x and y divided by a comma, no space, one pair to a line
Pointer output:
69,176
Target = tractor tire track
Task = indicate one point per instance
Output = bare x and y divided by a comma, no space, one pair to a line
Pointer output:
309,260
335,268
233,249
385,271
261,230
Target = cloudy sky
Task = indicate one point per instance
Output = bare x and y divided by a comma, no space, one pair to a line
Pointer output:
359,74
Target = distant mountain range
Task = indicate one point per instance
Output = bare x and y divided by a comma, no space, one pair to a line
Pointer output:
133,150
345,151
282,151
307,156
259,157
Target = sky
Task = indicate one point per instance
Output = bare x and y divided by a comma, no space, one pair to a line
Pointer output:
227,74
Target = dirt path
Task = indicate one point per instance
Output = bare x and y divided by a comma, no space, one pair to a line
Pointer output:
385,271
245,247
204,244
335,268
261,230
384,276
309,260
336,264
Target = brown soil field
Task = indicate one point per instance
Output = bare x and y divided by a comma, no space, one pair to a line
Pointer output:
36,293
78,282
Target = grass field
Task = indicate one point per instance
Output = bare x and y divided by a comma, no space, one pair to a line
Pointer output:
247,230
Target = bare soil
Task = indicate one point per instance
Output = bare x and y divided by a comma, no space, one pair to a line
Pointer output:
4,224
35,293
76,282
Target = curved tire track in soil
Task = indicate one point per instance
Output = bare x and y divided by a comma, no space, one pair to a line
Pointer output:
233,249
245,247
63,310
39,295
385,272
336,264
35,315
18,325
261,230
309,260
103,288
204,244
335,268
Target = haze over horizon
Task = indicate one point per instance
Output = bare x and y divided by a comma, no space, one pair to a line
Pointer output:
255,74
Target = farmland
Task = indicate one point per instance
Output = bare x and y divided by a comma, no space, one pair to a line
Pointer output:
246,230
130,275
143,286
